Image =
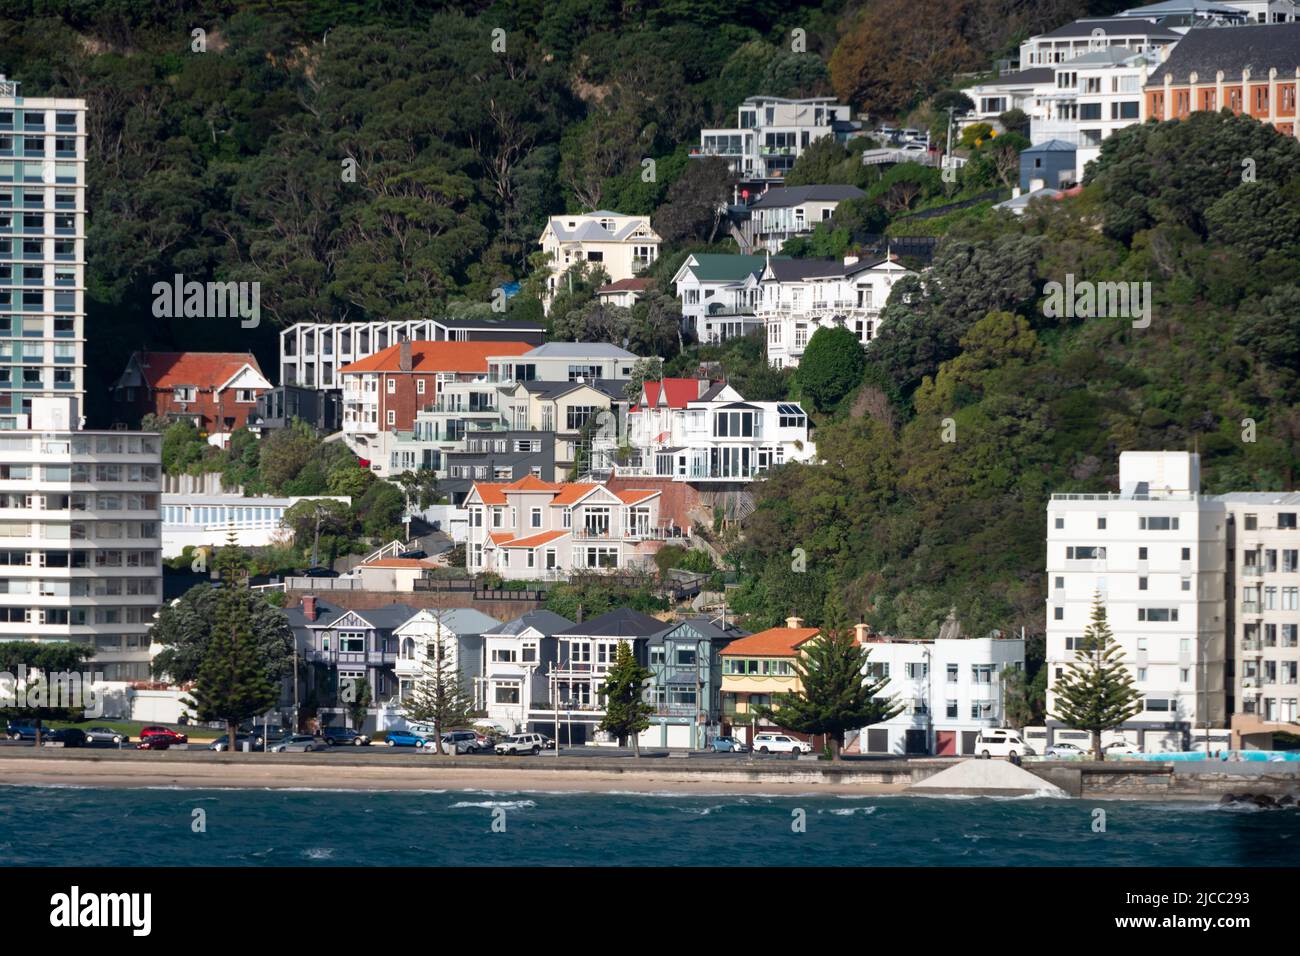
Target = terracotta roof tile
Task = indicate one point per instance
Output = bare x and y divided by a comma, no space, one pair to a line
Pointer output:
201,369
536,540
774,642
438,357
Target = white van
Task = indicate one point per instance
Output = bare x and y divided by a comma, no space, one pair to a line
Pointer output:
780,744
997,742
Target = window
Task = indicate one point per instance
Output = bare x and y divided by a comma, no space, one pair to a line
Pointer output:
1186,554
1085,553
952,673
1157,523
1142,554
419,386
1101,522
1058,614
1142,584
535,518
1158,614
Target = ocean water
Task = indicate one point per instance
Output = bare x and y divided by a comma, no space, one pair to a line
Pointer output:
88,826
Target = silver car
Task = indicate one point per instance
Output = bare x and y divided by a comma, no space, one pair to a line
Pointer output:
105,735
299,743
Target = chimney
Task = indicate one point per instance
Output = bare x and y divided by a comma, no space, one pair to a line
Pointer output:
862,633
404,355
702,385
1015,192
793,622
850,260
309,606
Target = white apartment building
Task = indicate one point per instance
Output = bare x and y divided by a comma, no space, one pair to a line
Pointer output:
1094,95
563,362
718,300
771,132
1155,553
311,353
694,430
80,537
621,245
531,529
798,296
208,520
42,252
1264,612
950,691
1131,33
1186,13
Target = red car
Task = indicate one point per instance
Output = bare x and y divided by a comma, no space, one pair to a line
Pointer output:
172,736
154,742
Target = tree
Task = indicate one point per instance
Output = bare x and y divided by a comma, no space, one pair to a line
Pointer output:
232,681
310,518
834,695
1022,698
1096,692
44,675
438,696
831,366
419,489
643,370
358,703
697,202
184,629
626,711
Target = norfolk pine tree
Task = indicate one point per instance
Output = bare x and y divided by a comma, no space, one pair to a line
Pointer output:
232,682
1097,691
438,696
626,711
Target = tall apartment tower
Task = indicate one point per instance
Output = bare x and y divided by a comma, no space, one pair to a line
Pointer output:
42,252
1156,553
80,537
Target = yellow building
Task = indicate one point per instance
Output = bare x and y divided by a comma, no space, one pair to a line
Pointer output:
758,668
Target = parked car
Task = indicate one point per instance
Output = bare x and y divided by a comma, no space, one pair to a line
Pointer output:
156,742
1121,747
299,743
173,736
1065,750
106,735
222,744
781,744
338,736
461,742
317,572
16,731
727,745
417,554
914,148
997,742
405,738
68,736
521,744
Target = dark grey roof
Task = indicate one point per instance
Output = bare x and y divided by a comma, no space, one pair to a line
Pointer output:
1035,74
298,619
381,618
542,620
713,391
792,270
782,196
496,324
1207,49
1114,26
702,626
1051,146
550,389
620,622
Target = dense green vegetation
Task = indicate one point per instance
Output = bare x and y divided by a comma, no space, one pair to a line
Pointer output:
976,406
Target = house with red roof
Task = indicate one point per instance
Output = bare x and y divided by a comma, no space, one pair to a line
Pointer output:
540,530
214,390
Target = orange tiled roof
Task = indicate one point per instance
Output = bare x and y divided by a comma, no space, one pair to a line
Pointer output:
501,537
631,497
774,642
536,540
564,492
200,369
438,357
571,493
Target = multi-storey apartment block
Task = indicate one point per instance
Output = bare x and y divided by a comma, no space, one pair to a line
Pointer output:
694,430
311,353
537,530
1133,34
1264,607
621,245
81,537
1154,553
949,690
798,296
1252,69
42,252
771,132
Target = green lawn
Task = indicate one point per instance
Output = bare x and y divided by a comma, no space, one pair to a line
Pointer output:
132,727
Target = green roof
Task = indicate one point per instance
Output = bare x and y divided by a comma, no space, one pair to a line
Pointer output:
716,267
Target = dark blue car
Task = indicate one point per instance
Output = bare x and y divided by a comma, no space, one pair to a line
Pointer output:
22,731
405,738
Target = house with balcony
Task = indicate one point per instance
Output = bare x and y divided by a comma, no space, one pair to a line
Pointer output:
577,413
453,634
798,296
717,300
771,133
520,655
538,530
694,430
620,245
498,455
756,670
949,689
585,653
216,391
783,213
685,663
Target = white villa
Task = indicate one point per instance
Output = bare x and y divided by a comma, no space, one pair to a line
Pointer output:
771,132
520,656
621,245
537,530
784,213
718,301
458,630
798,296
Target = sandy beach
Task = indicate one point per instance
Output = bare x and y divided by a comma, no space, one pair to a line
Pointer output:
44,771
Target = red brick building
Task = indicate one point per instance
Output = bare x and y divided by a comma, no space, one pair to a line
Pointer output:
215,390
1252,69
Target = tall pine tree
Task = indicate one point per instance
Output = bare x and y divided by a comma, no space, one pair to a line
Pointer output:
627,713
835,694
1096,692
232,683
438,696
